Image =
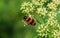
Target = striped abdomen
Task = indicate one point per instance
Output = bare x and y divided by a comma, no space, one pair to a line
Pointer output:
29,20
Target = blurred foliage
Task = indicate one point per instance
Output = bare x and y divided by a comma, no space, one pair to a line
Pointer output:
11,25
12,22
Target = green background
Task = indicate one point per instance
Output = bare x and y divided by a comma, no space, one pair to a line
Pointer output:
11,25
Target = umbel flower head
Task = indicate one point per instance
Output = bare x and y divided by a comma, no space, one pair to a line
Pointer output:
47,27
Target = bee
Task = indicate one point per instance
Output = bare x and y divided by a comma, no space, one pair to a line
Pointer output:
30,20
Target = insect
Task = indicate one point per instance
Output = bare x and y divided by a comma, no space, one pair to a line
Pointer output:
30,20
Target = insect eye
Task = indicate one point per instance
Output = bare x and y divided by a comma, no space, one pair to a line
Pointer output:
24,17
33,20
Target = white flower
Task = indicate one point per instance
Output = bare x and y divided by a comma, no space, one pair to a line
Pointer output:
42,30
27,7
40,34
38,27
56,34
24,25
29,15
52,6
35,2
26,10
52,14
58,25
56,2
38,31
23,5
59,33
53,23
41,11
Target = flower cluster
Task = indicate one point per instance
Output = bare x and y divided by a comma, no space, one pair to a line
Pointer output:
36,3
56,2
56,34
27,7
50,27
52,6
42,30
52,14
41,11
51,21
